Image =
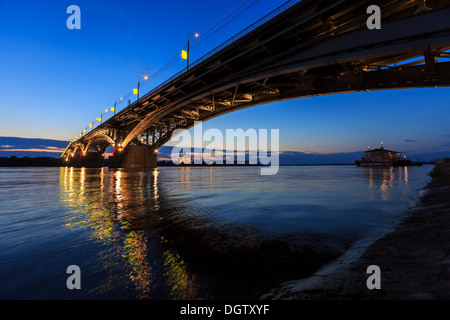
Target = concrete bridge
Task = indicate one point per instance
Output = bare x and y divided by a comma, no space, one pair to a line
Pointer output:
308,48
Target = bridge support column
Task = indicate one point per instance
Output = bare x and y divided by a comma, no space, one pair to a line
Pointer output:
93,160
74,161
89,160
135,157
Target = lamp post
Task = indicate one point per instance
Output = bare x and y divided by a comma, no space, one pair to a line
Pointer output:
114,109
101,116
139,86
189,47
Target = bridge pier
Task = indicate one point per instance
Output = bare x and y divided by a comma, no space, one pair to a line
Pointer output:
93,160
135,157
89,160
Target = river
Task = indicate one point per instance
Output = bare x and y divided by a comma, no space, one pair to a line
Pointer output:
188,233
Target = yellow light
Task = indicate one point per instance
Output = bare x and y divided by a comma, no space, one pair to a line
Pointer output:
184,55
90,126
135,91
99,119
113,109
196,35
84,130
145,78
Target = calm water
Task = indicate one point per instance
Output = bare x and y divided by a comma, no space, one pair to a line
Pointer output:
187,233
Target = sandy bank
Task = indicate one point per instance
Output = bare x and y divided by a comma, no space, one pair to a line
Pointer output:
414,258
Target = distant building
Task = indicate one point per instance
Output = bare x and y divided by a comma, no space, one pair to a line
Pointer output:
384,157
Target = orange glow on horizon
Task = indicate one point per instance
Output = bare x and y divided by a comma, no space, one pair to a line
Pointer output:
53,149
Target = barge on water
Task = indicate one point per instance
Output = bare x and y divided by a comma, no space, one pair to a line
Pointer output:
384,158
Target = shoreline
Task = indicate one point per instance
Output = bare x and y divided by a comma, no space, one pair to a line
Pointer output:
414,257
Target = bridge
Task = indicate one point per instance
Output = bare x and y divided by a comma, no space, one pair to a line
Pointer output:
309,48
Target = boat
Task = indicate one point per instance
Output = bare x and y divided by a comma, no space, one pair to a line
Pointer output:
382,157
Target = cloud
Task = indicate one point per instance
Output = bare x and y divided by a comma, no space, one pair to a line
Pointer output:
30,147
410,141
52,150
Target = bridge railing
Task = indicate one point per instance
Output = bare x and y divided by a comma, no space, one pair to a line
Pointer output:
233,39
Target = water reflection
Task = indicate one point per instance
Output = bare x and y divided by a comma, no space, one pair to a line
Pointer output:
186,177
383,179
159,232
119,211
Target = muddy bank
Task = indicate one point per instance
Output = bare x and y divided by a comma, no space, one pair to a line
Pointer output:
414,258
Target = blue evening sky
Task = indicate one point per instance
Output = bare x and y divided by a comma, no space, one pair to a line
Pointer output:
55,81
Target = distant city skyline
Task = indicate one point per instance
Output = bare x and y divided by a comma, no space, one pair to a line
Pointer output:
56,81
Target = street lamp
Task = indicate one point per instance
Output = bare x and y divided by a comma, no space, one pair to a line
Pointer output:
136,91
114,109
185,54
101,116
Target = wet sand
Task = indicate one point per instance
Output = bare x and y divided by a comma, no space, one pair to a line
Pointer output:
414,257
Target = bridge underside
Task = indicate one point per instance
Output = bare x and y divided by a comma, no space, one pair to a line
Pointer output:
312,49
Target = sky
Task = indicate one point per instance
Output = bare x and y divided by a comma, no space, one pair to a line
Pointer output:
55,81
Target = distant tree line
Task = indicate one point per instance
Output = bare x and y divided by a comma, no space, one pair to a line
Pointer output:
165,163
30,162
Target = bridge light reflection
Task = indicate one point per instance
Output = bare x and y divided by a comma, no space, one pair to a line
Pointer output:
105,205
155,189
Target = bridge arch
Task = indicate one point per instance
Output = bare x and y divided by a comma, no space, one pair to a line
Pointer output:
104,139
